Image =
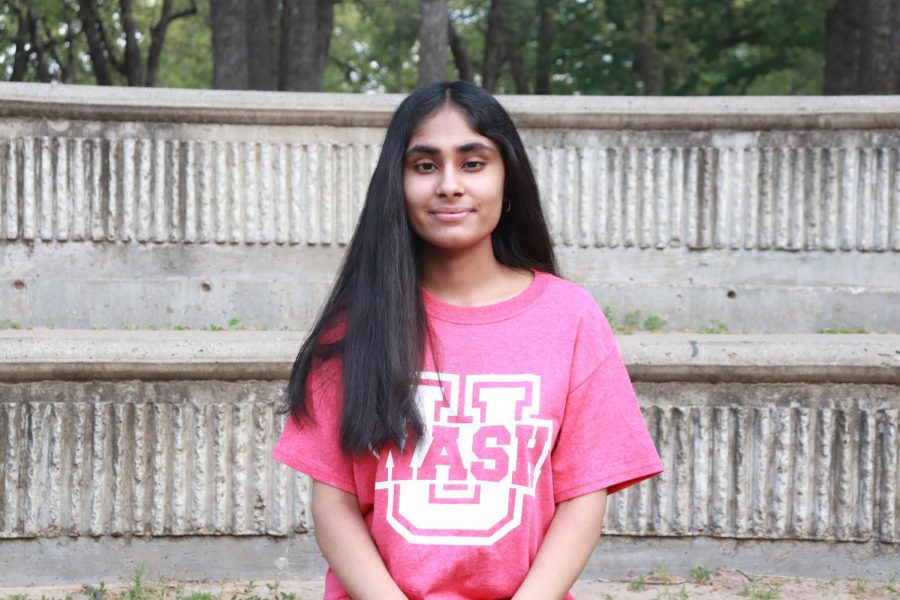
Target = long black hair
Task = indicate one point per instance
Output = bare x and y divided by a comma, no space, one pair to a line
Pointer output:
376,303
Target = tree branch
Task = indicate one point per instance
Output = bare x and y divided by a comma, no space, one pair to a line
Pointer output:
158,36
461,57
20,62
37,44
133,66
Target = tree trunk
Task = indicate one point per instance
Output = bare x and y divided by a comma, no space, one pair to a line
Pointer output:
878,64
461,57
306,27
261,44
841,48
862,46
645,50
433,42
37,44
96,38
229,42
517,66
20,59
158,36
494,42
68,67
134,68
325,19
546,33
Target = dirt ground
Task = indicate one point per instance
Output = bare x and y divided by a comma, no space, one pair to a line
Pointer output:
652,586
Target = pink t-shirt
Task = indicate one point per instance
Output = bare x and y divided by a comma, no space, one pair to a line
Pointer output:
532,406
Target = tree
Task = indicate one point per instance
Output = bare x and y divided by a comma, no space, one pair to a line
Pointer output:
434,23
228,20
272,45
862,47
43,47
130,64
461,56
494,45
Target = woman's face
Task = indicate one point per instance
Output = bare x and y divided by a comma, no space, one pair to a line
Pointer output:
453,183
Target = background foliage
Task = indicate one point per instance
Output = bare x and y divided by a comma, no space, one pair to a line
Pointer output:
670,47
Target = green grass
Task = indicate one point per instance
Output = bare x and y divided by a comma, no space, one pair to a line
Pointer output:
233,324
759,591
891,584
714,327
660,575
700,575
654,323
633,322
637,584
840,330
7,324
139,588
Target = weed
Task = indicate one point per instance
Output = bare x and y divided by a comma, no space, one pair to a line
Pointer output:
7,324
215,327
199,596
668,594
608,597
700,575
136,591
632,322
891,583
95,593
756,591
660,575
637,584
633,319
714,327
607,312
841,329
862,586
654,323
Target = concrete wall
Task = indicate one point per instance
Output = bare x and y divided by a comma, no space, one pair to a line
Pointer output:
777,440
137,208
165,208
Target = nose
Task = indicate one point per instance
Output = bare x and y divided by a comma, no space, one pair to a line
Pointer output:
449,183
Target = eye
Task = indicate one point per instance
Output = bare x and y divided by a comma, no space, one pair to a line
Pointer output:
473,164
424,167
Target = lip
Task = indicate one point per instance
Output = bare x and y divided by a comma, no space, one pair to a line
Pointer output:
450,214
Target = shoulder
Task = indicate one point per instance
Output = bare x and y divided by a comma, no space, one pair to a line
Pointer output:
575,308
570,297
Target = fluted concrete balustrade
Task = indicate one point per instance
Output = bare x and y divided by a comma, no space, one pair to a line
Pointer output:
178,207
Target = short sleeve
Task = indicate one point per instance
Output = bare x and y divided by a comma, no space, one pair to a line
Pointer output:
603,441
312,446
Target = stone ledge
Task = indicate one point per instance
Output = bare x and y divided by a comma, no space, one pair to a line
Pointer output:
55,101
82,355
66,560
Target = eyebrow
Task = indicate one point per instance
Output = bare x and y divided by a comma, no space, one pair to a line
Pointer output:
462,149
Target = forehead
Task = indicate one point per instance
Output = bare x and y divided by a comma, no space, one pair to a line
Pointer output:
447,126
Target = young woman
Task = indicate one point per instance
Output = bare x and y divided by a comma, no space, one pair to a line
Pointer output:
463,411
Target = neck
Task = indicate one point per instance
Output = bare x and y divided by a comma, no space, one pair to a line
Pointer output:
470,277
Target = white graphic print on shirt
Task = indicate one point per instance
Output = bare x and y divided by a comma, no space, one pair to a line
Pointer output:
481,454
